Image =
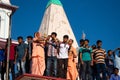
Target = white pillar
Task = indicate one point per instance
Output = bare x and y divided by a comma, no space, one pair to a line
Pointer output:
6,9
4,22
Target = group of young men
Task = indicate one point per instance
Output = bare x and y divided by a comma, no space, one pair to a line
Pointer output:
93,61
19,59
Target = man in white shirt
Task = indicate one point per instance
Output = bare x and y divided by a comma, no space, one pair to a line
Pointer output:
63,57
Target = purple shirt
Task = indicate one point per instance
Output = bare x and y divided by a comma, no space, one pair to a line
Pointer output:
114,77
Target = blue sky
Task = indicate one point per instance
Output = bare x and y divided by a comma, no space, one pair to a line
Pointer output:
100,19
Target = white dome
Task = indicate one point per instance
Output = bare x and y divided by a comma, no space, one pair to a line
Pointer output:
5,1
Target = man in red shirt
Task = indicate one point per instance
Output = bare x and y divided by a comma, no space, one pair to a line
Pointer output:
11,59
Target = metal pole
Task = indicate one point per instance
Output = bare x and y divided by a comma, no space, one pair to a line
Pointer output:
8,49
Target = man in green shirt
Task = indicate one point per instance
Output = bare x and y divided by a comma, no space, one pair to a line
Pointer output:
86,60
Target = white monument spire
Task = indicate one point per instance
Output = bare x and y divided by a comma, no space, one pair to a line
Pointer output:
55,20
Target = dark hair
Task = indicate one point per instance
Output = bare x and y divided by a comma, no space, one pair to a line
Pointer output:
86,40
8,39
98,41
66,36
54,33
109,51
94,46
30,37
72,40
81,40
20,37
115,69
7,42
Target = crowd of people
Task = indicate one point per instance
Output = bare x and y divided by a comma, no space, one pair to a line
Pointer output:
49,56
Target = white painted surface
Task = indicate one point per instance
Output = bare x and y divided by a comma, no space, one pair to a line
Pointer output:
55,20
4,22
5,1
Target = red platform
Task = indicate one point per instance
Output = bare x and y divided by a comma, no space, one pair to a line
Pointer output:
36,77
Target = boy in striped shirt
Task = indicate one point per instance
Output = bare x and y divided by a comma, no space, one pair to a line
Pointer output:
99,59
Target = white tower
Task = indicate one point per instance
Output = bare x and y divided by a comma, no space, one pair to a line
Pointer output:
55,20
6,10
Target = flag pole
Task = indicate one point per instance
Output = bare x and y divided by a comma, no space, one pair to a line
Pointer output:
8,49
9,37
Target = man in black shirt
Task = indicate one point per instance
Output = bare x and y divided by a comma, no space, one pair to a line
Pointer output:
29,54
109,63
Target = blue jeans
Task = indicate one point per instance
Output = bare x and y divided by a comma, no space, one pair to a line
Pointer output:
86,71
51,66
101,69
110,69
11,67
21,67
62,66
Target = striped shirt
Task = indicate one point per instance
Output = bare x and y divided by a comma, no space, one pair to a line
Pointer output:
99,55
52,49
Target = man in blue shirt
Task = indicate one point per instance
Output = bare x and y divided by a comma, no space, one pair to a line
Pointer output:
115,76
85,59
21,52
109,63
2,58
